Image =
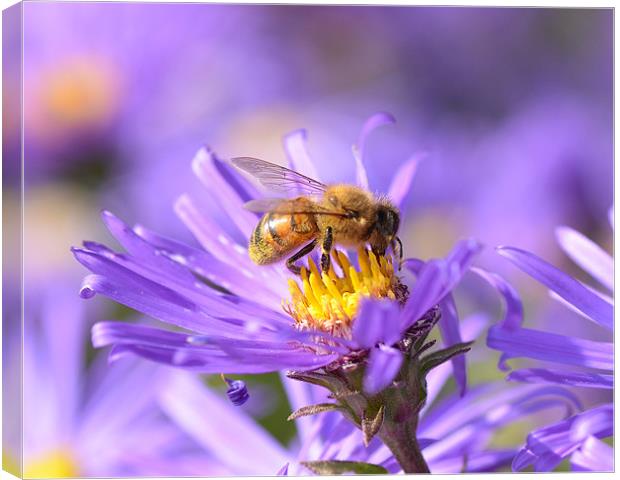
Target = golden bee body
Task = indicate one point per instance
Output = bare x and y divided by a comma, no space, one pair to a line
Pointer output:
278,234
339,214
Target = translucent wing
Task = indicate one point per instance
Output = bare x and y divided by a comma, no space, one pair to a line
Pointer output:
277,178
261,205
287,206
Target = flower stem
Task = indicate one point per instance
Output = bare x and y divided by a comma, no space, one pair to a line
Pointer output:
400,438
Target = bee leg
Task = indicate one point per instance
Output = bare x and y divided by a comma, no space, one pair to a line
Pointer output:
290,263
327,246
400,250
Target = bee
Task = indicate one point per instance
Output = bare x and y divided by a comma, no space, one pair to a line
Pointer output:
321,215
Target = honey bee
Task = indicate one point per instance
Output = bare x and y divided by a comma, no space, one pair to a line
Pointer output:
321,215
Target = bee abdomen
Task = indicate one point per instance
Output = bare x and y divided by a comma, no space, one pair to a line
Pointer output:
278,234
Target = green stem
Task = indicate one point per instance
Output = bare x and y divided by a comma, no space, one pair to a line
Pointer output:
400,438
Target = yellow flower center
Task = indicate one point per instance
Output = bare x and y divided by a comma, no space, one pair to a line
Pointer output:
328,301
57,463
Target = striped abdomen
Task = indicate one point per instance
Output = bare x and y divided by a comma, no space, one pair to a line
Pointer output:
278,234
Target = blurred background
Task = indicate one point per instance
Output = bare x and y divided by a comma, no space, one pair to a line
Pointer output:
512,109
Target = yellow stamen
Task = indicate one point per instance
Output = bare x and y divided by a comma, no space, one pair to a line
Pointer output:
328,301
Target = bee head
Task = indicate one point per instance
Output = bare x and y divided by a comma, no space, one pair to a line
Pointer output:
388,220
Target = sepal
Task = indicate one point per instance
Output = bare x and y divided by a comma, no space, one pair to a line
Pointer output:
313,410
340,467
441,356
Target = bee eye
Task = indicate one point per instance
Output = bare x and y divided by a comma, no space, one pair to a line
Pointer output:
387,222
334,200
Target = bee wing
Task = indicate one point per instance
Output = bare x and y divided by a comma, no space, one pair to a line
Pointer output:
285,206
278,178
261,205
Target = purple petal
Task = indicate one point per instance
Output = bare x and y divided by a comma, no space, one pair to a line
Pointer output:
63,327
593,456
487,461
437,278
383,365
597,421
513,316
210,354
230,175
283,472
377,321
192,306
361,176
587,254
178,279
110,333
215,362
522,459
472,422
205,168
138,293
461,257
401,182
102,420
554,296
548,446
471,327
610,216
211,236
374,121
288,358
564,285
491,405
450,332
299,160
542,375
551,347
237,279
426,292
221,429
159,302
140,249
371,124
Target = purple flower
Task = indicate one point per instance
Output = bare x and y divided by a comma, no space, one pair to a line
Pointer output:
356,318
566,360
79,421
240,327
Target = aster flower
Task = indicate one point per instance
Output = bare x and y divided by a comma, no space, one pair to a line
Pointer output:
353,329
76,421
566,360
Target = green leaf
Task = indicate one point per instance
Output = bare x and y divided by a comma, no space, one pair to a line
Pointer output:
437,358
338,467
313,410
327,381
371,426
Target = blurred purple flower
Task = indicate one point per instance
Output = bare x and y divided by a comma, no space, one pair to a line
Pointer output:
95,76
579,436
99,420
243,329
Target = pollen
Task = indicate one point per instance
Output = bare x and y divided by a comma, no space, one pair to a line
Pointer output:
328,301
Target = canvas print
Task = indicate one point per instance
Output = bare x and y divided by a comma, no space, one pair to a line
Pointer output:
295,240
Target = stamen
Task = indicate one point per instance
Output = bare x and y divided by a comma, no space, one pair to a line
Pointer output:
328,301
